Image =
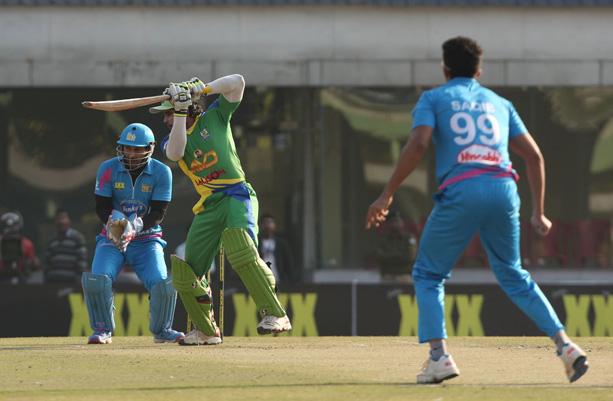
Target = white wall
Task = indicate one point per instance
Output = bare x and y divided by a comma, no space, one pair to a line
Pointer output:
137,46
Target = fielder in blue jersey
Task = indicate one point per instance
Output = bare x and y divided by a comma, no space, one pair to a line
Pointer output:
472,128
132,194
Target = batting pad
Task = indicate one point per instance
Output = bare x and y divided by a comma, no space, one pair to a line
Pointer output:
195,294
98,293
162,306
254,273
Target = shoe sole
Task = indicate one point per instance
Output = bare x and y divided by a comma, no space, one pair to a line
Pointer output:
263,331
109,341
580,367
437,381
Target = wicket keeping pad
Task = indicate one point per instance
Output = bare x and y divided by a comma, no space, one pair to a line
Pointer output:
162,302
98,293
254,273
195,294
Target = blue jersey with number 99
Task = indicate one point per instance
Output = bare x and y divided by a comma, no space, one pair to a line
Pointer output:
472,127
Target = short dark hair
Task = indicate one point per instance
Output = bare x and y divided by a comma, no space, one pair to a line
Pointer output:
60,211
266,216
462,57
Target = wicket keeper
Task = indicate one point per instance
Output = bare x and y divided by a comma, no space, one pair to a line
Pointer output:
227,212
132,194
473,128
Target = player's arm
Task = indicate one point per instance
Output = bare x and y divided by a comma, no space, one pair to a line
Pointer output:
162,194
155,215
231,87
526,148
177,139
104,207
412,153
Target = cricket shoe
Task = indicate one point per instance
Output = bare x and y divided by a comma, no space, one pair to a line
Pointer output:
436,371
196,337
575,361
273,324
100,337
168,336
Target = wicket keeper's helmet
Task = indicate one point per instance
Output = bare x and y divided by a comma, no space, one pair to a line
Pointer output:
136,135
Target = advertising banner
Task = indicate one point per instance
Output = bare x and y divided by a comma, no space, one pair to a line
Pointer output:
315,310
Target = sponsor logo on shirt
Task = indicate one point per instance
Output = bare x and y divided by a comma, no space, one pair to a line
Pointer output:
145,188
202,161
129,206
480,154
119,185
204,134
212,176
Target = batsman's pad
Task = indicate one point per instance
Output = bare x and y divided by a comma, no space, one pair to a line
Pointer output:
195,294
254,273
162,306
98,293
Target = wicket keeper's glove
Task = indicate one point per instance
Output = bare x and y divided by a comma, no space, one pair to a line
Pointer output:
180,97
115,226
134,225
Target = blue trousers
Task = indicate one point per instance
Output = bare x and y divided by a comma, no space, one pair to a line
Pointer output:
146,258
489,206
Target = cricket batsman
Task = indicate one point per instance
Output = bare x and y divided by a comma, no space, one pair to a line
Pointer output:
132,194
473,128
227,212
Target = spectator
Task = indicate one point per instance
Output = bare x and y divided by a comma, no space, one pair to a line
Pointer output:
17,254
66,254
396,247
275,250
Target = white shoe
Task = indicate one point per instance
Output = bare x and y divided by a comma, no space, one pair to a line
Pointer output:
575,361
437,371
196,337
274,324
100,337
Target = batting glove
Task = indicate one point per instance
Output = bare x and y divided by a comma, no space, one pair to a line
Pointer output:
179,96
196,87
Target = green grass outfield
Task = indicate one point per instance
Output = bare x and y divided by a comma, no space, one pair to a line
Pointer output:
294,368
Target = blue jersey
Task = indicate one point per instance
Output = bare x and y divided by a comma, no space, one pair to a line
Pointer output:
472,127
153,183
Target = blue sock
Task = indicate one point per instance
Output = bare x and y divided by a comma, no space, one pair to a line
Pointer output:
437,353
